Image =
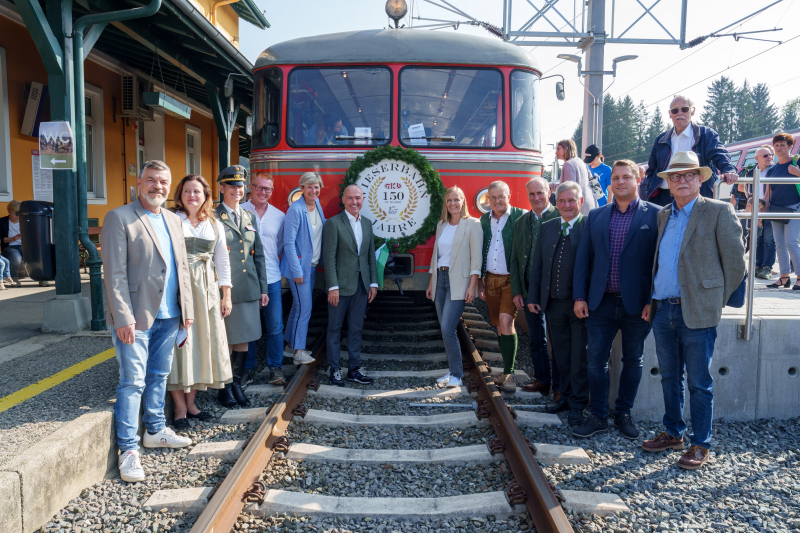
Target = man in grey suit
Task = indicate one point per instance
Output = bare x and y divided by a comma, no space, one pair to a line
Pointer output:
699,264
149,293
349,269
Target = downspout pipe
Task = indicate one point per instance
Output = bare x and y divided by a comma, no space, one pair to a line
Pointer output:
218,4
94,262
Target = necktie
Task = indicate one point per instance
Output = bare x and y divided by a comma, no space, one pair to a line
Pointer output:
236,218
564,226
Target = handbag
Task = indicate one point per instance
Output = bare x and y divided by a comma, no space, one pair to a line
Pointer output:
737,298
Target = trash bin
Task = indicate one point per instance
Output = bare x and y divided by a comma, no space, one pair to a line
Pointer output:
36,233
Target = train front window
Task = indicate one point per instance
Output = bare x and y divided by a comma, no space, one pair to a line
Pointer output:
339,106
525,133
267,108
451,107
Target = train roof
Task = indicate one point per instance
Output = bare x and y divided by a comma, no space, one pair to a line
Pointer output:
396,46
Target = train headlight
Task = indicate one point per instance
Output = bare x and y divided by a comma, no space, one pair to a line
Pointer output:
482,201
294,195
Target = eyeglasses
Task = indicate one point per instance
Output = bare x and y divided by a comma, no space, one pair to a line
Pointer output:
766,156
498,198
262,189
675,110
687,177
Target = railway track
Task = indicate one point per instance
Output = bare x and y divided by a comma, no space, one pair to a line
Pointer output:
394,324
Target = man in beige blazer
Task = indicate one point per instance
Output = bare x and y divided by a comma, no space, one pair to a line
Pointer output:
699,263
149,294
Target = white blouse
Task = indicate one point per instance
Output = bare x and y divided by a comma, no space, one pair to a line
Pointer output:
205,231
316,235
446,244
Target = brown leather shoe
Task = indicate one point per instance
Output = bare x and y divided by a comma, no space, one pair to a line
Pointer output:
664,441
694,458
557,396
537,386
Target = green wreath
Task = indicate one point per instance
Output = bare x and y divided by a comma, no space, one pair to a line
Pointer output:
433,182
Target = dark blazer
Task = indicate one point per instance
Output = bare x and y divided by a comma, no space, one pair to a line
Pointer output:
4,233
248,266
542,267
343,261
592,263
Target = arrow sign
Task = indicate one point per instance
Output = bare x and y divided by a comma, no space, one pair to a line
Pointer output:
56,146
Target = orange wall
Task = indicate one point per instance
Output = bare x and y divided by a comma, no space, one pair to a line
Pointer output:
227,18
24,65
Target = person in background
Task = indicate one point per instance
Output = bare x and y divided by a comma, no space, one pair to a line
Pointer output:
203,361
247,197
684,136
5,273
765,244
11,243
602,172
350,267
699,263
326,129
642,173
551,290
494,287
455,268
575,170
526,234
148,288
302,253
786,198
269,222
249,293
611,290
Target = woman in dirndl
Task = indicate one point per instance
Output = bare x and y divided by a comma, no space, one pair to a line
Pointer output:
203,361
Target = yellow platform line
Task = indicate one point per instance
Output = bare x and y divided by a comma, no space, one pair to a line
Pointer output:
30,391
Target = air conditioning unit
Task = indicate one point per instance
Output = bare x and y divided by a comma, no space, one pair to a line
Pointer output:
132,105
32,109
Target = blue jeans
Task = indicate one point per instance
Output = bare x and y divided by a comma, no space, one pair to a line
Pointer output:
273,320
680,348
14,256
143,370
765,246
5,268
540,357
602,326
449,312
300,313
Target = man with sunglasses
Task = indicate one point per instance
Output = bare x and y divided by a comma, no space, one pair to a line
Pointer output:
765,245
270,229
685,137
699,263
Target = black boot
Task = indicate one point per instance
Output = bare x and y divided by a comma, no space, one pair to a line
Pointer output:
225,397
238,360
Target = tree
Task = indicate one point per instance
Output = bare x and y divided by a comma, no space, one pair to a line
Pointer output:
577,136
790,118
746,125
765,119
720,110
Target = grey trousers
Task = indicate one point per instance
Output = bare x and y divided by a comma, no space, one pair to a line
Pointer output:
354,308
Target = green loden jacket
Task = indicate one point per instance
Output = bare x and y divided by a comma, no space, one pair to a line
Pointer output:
508,233
526,233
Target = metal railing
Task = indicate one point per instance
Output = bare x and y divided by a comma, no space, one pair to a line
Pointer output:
754,216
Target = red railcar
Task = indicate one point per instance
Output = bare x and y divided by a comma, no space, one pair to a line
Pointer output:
322,101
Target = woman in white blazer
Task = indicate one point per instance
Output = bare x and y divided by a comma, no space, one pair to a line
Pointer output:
455,268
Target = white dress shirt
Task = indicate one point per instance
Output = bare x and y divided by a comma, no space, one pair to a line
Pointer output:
13,231
222,261
358,231
680,143
270,229
446,245
496,258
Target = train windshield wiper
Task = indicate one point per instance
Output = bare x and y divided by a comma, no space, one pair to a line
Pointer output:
353,138
440,138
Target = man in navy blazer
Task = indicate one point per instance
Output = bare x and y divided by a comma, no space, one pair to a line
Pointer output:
611,289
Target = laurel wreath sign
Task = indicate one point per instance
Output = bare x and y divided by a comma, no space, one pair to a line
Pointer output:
379,213
433,183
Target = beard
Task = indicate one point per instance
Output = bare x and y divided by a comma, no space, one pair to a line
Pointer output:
155,202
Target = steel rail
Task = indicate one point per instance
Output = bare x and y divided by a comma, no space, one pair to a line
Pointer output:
540,500
227,502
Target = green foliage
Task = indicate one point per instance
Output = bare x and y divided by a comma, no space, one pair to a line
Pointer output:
432,181
790,118
720,112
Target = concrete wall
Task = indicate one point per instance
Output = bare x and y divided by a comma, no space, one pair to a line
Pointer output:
753,379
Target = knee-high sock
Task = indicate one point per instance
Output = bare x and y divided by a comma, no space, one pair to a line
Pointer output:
508,349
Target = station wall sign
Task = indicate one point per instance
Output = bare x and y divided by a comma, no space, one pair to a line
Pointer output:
56,146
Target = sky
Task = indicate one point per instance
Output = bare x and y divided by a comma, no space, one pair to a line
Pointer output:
660,71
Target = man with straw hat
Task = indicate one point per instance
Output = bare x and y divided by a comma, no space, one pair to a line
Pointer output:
699,263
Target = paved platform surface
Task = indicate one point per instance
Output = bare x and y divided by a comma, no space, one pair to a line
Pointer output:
770,302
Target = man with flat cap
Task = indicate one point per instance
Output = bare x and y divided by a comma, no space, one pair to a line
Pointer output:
249,278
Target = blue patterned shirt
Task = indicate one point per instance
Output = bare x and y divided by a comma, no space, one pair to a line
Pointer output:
669,250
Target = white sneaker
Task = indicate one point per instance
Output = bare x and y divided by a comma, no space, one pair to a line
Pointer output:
166,438
130,468
454,382
444,379
302,357
2,286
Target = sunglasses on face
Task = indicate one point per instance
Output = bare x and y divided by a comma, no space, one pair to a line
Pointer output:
675,110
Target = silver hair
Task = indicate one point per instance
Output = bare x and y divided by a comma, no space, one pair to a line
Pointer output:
154,164
688,100
502,185
541,181
310,178
569,186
